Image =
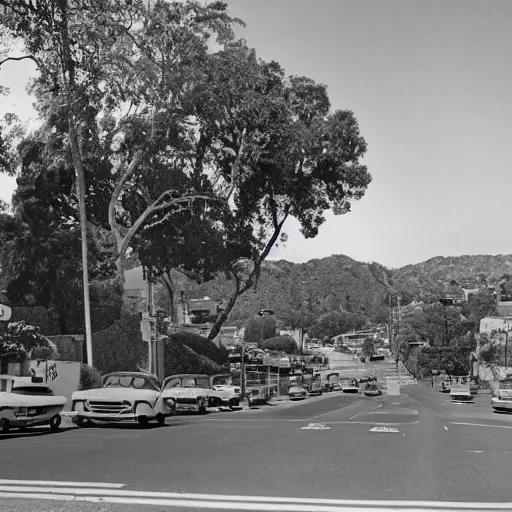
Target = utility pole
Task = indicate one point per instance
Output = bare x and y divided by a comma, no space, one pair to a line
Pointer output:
242,370
151,308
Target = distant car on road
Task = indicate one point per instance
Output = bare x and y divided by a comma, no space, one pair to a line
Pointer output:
370,388
30,403
349,385
124,397
502,402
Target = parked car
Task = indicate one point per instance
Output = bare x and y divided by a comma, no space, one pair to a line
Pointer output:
332,383
257,389
28,403
502,402
124,396
227,388
190,392
314,386
349,385
296,392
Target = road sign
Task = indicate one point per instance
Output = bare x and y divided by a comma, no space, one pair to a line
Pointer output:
148,327
5,313
385,429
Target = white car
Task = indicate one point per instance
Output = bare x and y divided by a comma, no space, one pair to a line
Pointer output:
29,403
503,401
190,392
125,396
227,388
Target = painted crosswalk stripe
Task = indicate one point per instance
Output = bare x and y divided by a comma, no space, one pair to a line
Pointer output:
233,502
50,483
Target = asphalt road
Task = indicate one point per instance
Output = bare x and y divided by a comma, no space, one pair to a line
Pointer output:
320,449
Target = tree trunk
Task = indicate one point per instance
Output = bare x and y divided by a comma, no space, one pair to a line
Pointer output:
224,315
169,286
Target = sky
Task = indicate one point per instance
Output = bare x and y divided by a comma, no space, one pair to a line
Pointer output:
430,82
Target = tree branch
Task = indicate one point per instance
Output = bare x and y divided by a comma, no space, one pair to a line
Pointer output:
236,166
150,210
31,57
114,199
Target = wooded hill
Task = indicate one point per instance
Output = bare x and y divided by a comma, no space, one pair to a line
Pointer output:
300,293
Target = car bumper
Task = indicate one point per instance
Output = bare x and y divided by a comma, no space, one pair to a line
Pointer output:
102,417
501,405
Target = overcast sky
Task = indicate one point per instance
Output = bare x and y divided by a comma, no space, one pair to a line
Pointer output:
431,84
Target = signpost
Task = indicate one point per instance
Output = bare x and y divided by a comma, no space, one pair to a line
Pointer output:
5,313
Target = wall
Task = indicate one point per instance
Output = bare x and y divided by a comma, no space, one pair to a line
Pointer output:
63,377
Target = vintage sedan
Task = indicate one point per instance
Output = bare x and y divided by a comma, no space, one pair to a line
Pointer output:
226,387
190,392
349,385
125,396
296,392
502,402
29,403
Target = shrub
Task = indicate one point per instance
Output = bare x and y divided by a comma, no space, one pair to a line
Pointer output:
89,377
180,358
120,346
201,346
35,315
284,343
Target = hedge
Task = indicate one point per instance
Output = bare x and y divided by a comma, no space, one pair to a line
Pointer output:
284,343
119,347
180,358
202,346
35,315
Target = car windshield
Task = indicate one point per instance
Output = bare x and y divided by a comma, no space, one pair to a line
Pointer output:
32,390
187,382
130,381
225,380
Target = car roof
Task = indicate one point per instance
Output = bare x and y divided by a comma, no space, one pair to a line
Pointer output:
131,374
187,375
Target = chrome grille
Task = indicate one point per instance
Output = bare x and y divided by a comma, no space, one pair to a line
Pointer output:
110,407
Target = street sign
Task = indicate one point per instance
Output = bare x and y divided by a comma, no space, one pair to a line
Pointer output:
5,313
148,327
385,429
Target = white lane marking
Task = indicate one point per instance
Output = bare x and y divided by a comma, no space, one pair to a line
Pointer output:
316,426
52,483
480,425
259,503
365,412
475,451
384,429
445,427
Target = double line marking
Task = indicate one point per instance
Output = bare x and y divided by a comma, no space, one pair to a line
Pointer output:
115,494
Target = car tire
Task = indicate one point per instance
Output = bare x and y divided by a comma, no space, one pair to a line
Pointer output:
80,422
143,421
201,405
160,418
233,402
55,422
4,426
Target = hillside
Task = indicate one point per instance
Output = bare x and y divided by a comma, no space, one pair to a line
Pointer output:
299,293
429,278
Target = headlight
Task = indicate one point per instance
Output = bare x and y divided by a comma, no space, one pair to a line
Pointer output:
171,402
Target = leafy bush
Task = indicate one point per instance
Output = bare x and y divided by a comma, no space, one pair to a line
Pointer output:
35,315
284,343
21,340
89,377
201,346
180,358
368,347
120,346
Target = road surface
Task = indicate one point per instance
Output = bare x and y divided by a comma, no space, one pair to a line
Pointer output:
291,456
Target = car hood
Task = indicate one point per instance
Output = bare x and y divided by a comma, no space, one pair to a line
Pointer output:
115,394
15,400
